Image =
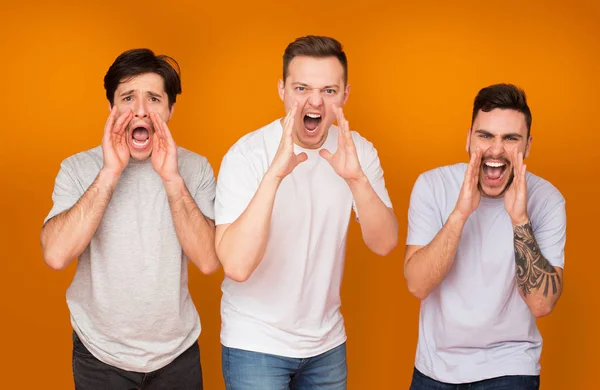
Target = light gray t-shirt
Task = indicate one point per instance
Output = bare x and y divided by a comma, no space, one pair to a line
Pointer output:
475,325
129,299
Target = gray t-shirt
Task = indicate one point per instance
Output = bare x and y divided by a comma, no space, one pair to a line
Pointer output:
129,299
475,325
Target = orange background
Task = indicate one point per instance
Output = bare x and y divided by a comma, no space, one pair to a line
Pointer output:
414,69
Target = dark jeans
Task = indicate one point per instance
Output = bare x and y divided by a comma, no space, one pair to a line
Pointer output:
510,382
89,373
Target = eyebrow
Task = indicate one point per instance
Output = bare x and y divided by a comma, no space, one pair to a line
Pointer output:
306,85
131,91
513,135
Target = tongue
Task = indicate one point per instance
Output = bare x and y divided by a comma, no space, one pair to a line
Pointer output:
494,172
311,123
140,134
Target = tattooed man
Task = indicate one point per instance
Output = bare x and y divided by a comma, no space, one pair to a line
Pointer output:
485,254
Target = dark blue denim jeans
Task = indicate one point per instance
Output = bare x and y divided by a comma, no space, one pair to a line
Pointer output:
89,373
247,370
510,382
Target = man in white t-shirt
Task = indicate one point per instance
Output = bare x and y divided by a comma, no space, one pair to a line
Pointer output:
485,254
285,193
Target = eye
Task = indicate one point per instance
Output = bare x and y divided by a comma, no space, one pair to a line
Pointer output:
301,89
153,99
511,139
486,136
127,98
330,91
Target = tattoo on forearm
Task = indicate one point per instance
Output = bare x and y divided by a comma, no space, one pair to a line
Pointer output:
533,270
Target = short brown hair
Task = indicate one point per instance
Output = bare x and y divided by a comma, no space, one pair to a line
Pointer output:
317,47
505,97
132,63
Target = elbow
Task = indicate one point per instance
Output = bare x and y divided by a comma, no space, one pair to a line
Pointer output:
236,273
542,310
208,269
54,261
417,291
386,247
415,288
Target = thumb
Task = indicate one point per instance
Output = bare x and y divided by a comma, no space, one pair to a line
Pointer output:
300,158
326,154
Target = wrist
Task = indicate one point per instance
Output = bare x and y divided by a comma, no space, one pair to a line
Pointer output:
108,178
272,178
358,181
520,221
458,217
174,186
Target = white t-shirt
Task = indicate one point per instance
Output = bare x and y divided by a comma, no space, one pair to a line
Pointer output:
290,305
475,325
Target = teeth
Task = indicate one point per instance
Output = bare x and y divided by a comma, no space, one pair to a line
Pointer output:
138,143
494,164
314,116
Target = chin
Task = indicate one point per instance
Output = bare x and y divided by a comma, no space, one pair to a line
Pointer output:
139,156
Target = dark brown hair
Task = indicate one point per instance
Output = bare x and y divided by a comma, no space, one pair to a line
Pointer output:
139,61
503,96
317,47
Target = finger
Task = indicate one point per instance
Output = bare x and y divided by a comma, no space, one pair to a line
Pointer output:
158,126
289,120
122,122
300,158
111,119
326,154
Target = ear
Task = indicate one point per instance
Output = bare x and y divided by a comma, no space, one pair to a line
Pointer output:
468,139
171,111
281,88
528,147
346,93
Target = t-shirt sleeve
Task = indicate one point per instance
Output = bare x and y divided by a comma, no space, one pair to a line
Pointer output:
551,232
236,185
67,191
204,194
369,162
424,220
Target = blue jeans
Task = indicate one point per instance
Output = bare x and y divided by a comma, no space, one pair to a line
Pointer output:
247,370
510,382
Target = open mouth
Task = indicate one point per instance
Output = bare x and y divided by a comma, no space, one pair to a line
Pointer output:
494,170
140,137
312,122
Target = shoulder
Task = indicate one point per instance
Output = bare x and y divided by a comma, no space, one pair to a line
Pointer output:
445,174
88,160
542,193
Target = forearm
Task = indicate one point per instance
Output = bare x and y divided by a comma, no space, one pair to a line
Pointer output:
428,266
195,232
377,221
242,245
65,237
539,283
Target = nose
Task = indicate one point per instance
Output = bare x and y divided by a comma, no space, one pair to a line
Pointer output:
140,110
314,98
497,148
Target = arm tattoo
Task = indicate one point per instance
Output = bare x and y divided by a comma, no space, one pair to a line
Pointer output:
533,270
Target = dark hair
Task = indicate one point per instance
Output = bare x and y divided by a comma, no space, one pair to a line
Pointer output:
139,61
315,46
503,96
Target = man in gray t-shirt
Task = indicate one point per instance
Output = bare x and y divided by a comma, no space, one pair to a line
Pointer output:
134,211
485,254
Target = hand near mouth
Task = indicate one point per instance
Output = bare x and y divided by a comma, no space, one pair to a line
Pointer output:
114,141
345,159
285,159
469,196
164,150
515,198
